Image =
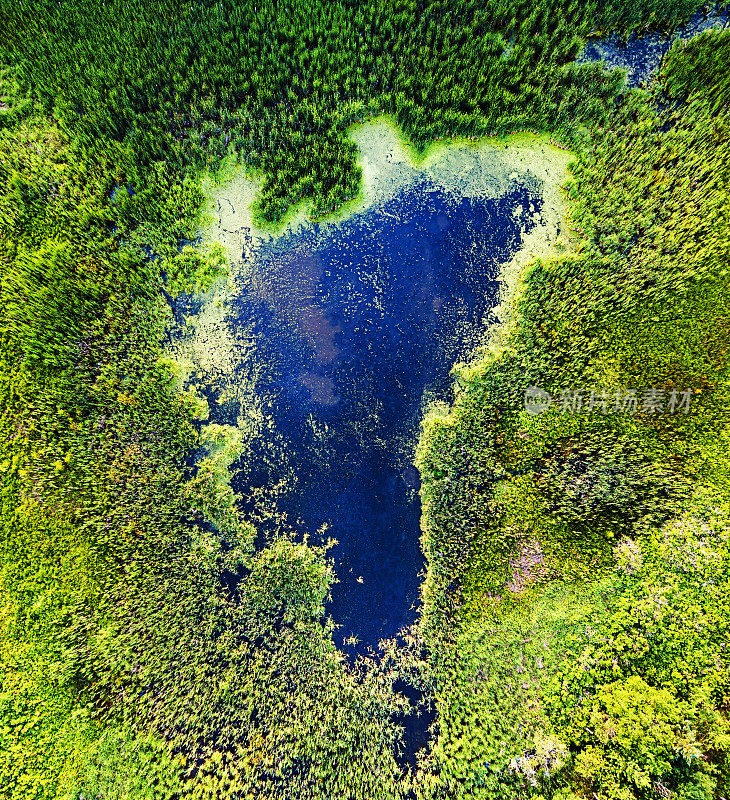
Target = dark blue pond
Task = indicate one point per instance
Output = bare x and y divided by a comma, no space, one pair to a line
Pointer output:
349,329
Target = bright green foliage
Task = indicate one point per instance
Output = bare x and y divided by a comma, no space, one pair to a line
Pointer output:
120,765
605,483
512,500
640,16
492,679
598,687
146,649
289,580
130,666
700,65
629,737
279,86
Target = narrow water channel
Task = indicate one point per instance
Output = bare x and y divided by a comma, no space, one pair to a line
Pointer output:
641,56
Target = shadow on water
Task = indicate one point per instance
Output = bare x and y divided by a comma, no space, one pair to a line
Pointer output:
348,330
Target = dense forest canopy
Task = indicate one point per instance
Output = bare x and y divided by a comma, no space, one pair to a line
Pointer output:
149,648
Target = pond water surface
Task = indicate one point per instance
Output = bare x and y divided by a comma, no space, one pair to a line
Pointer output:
348,330
336,338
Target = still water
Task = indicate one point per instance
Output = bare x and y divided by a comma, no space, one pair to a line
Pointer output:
346,331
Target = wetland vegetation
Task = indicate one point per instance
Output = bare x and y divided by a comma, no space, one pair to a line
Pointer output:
232,293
